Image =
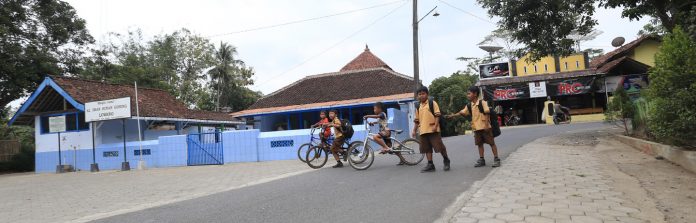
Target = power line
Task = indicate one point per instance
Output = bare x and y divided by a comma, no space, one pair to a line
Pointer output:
464,11
303,20
335,45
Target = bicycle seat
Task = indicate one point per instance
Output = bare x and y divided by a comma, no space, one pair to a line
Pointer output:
399,131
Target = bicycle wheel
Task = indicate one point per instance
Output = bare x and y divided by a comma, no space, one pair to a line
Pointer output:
361,156
316,157
410,152
302,151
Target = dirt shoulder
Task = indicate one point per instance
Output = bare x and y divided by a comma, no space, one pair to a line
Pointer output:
669,186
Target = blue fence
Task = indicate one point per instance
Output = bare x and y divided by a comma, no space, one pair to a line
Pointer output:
205,149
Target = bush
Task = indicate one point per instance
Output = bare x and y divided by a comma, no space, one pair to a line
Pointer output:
620,109
672,92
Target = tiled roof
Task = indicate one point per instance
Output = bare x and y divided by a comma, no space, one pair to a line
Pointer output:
152,102
365,60
600,61
339,86
329,104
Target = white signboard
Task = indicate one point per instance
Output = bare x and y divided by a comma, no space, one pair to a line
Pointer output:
108,109
56,124
537,89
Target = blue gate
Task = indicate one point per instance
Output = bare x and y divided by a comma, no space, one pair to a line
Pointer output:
205,149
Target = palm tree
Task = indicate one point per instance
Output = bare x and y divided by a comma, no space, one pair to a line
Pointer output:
228,70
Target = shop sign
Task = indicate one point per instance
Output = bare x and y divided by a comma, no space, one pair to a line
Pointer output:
512,92
571,86
494,70
537,89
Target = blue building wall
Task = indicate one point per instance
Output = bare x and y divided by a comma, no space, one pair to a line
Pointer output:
238,146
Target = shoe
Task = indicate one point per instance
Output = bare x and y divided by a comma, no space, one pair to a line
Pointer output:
428,168
338,165
481,162
496,163
447,166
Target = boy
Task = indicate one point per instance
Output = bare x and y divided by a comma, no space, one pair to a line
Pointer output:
382,138
428,127
336,146
480,123
326,133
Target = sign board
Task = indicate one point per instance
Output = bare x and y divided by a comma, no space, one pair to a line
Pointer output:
582,85
537,89
56,124
108,109
494,70
509,92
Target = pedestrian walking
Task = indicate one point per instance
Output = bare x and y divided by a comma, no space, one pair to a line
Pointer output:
480,123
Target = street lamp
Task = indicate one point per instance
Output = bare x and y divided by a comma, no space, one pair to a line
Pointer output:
416,75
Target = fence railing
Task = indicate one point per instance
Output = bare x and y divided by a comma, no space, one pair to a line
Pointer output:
8,148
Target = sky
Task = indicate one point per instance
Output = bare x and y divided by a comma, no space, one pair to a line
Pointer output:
284,54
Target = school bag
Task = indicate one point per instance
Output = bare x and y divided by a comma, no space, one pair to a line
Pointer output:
441,120
347,128
493,118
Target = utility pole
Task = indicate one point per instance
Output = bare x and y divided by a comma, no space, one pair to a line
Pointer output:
416,82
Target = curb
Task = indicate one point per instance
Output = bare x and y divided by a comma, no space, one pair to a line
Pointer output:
684,158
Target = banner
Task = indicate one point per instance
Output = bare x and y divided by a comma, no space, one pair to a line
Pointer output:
582,85
108,109
509,92
494,70
537,89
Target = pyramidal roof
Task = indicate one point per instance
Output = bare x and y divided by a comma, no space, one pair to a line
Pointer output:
365,60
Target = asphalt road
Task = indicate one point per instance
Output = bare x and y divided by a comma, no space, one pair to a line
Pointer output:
383,193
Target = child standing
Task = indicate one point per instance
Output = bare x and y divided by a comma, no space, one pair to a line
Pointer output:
427,126
339,139
480,123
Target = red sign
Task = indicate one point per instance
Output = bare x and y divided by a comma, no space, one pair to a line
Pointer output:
507,94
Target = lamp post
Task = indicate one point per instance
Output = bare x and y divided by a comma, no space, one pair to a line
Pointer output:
416,78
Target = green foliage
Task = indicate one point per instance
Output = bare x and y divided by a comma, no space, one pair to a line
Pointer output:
24,161
672,92
184,63
450,93
620,109
37,38
545,26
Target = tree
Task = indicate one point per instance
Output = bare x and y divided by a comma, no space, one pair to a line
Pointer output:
620,109
545,26
672,92
450,93
228,76
37,38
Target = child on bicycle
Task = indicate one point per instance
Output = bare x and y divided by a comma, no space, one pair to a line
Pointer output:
337,145
326,131
382,138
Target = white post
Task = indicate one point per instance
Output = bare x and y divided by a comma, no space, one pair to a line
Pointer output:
141,162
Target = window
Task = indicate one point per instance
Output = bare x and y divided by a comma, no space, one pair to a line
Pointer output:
546,68
566,65
74,122
535,68
577,64
525,69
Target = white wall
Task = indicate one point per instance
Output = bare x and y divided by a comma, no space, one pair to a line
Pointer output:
69,140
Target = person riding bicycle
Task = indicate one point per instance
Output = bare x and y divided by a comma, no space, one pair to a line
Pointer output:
339,139
326,131
559,109
383,137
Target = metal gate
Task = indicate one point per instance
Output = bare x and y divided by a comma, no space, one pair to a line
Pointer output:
205,149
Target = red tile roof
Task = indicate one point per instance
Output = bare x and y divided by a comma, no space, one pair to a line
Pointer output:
152,102
328,104
365,60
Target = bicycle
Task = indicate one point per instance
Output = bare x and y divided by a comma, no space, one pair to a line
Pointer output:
362,156
313,141
317,155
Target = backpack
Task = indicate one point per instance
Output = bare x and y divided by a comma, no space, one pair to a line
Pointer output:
441,121
347,128
492,116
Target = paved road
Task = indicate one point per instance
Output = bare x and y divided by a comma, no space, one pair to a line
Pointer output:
384,193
